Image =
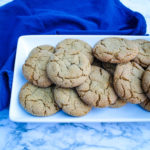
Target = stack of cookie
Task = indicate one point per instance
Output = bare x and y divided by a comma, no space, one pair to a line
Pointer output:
66,77
126,61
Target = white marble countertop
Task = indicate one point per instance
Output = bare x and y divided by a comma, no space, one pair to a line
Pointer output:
77,136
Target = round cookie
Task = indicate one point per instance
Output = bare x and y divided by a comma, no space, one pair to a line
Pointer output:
109,67
97,90
75,45
115,50
127,82
119,103
68,69
146,81
34,68
143,57
38,101
146,104
69,101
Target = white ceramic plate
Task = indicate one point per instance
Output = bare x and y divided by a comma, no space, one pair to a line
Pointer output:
128,113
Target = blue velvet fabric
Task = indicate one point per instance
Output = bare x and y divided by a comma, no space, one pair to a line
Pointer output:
24,17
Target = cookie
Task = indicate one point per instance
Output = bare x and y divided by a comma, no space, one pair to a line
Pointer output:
127,82
115,50
68,69
97,90
119,103
143,57
34,68
146,104
109,67
38,101
146,81
69,101
75,45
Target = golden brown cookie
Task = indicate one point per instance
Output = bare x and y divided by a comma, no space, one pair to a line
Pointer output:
34,68
69,101
143,57
97,90
75,45
127,82
119,103
146,81
38,101
115,50
68,69
146,104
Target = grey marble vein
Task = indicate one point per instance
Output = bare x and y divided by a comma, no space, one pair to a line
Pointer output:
73,136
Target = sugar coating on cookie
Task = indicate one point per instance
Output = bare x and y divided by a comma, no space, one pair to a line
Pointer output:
69,101
75,45
38,101
68,69
146,81
34,68
146,104
127,82
143,57
119,103
115,50
97,90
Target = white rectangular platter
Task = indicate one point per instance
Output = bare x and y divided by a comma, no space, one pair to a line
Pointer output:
128,113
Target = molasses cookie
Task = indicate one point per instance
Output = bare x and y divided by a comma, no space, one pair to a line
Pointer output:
97,90
38,101
146,81
68,69
69,101
34,68
76,45
127,82
115,50
143,57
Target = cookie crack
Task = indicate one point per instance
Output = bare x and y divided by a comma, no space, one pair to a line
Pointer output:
134,64
141,62
28,65
123,90
109,100
98,100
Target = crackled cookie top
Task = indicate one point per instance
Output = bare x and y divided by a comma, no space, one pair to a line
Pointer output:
115,50
146,104
146,81
69,101
97,90
76,45
127,82
34,68
119,103
143,57
68,69
38,101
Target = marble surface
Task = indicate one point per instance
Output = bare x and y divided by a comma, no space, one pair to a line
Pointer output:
77,136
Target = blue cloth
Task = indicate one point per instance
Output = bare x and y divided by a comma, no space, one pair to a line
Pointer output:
22,17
